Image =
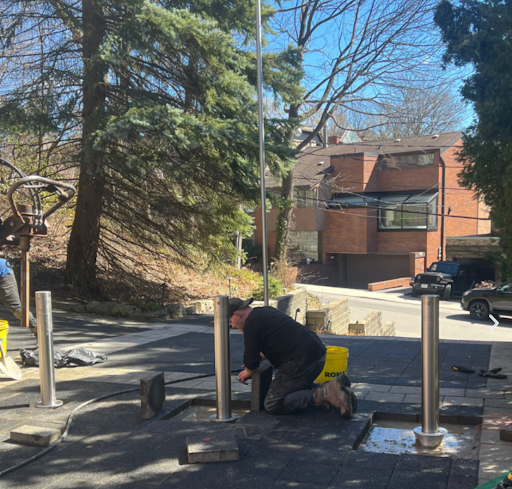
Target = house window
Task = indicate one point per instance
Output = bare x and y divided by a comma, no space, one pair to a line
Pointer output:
349,201
390,218
408,212
305,198
395,212
389,162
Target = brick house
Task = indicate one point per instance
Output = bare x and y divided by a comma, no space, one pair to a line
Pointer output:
377,210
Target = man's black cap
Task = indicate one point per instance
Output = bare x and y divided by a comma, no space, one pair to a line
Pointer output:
235,304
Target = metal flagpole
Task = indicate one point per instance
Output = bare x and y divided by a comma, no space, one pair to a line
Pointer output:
262,153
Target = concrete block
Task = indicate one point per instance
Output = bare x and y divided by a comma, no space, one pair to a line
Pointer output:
203,306
152,395
374,387
412,399
214,448
357,327
484,393
388,329
451,391
35,435
506,434
318,313
261,380
405,389
384,397
462,401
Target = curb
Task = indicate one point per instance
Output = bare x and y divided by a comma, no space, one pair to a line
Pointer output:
364,294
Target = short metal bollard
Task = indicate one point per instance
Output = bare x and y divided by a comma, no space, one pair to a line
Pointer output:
45,345
222,360
430,435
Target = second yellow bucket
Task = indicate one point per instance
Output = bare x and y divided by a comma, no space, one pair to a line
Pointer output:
4,326
336,362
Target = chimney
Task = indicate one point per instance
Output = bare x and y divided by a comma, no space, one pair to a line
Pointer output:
334,140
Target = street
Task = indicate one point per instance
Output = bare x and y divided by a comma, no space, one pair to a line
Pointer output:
405,311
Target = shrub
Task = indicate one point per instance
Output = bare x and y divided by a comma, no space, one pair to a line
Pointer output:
275,289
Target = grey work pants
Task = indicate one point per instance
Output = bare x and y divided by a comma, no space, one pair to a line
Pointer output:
10,297
291,388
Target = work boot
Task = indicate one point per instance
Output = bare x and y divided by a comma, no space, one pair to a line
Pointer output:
344,380
345,385
332,393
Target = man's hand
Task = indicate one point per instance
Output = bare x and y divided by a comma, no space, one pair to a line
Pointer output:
245,375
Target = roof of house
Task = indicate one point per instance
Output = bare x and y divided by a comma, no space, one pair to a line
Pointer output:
309,169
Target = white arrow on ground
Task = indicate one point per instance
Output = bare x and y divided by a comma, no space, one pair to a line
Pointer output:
494,321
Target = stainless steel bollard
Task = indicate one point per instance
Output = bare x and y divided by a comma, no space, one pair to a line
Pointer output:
429,434
222,360
430,363
45,345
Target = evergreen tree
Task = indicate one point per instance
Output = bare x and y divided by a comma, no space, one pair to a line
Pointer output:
157,101
477,34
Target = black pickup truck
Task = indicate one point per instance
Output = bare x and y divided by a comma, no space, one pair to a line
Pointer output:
446,278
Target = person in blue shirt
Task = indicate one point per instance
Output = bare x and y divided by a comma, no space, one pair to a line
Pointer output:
9,295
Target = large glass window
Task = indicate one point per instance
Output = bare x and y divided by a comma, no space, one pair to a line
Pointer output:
389,162
390,218
432,211
396,212
414,216
407,212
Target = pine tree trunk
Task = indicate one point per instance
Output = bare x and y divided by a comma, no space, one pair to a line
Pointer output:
284,217
85,233
285,212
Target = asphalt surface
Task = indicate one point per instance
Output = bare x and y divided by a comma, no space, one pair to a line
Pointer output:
109,446
455,324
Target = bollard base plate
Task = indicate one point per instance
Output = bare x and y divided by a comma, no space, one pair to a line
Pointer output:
429,440
56,404
232,419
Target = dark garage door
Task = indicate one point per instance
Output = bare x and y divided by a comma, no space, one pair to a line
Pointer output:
365,269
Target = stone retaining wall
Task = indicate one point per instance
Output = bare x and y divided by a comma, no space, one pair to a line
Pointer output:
372,325
332,319
293,304
204,306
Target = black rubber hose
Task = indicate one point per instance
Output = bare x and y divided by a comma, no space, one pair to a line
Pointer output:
90,401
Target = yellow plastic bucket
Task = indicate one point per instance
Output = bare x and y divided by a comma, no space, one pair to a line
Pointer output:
336,362
4,326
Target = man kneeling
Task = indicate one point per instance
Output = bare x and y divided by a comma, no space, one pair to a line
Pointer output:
296,352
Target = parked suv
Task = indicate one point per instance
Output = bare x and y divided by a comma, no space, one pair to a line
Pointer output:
446,278
491,300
